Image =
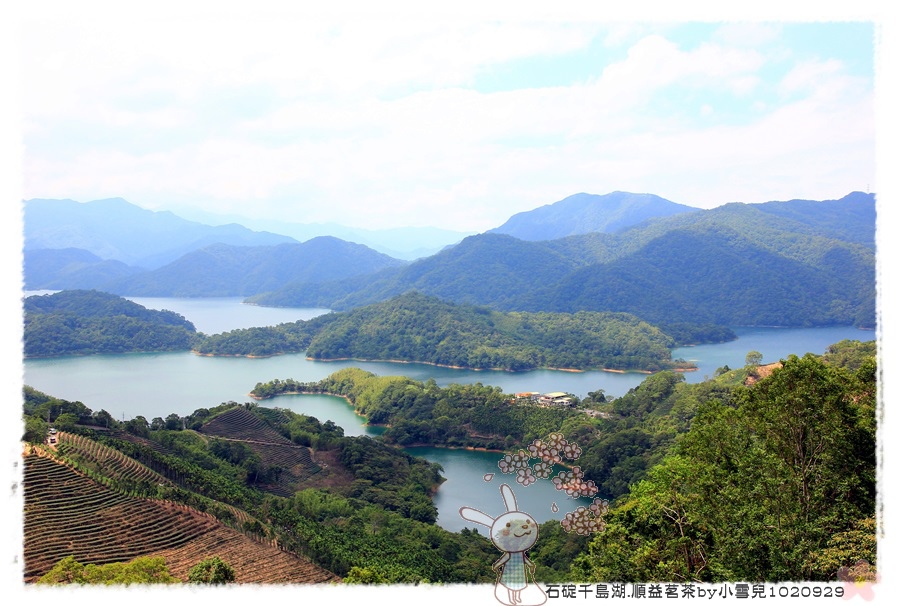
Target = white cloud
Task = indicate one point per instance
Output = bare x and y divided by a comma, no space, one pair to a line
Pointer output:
376,123
810,75
747,34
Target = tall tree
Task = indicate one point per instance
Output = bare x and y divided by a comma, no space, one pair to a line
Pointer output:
773,487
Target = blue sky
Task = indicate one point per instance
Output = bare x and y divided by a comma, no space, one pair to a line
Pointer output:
456,120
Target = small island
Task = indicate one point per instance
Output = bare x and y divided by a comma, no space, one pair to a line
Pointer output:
79,322
408,328
417,328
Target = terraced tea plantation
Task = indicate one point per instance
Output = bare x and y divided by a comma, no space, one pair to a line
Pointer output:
95,458
271,447
67,513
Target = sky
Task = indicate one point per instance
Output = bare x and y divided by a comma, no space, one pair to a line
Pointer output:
455,120
390,114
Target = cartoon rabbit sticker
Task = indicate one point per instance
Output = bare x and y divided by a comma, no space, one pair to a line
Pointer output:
513,533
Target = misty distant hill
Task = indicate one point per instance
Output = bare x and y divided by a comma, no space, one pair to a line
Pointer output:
71,268
795,263
492,269
586,213
115,229
221,270
407,243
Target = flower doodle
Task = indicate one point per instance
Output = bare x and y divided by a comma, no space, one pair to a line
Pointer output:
550,451
858,580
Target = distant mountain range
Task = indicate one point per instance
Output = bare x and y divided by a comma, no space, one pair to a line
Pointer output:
407,243
795,263
587,213
222,270
71,268
798,262
114,229
217,270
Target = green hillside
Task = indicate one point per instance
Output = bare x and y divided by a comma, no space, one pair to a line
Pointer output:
796,263
222,270
760,474
74,322
418,328
723,278
231,488
70,268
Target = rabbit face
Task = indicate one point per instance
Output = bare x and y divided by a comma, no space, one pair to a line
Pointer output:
514,531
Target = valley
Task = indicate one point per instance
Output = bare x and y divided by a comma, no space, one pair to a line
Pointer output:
427,357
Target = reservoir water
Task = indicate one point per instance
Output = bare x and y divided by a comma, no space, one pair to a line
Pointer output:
157,384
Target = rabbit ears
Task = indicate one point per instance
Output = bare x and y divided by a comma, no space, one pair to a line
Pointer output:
509,497
474,515
479,517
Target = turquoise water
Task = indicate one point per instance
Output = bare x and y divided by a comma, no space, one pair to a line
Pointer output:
157,384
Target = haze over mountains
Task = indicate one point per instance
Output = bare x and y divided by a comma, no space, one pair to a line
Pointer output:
797,262
117,230
223,270
407,243
585,213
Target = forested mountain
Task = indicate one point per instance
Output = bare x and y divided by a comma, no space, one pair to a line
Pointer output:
117,230
222,270
85,322
408,243
585,213
718,276
418,328
779,263
793,228
831,217
489,269
71,268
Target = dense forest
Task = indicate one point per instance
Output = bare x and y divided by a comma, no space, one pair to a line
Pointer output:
86,322
411,327
630,436
760,473
417,412
797,263
418,328
776,482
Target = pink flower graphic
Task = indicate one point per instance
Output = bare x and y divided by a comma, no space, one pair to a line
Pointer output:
858,580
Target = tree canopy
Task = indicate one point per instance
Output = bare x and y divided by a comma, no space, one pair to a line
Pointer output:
87,322
418,328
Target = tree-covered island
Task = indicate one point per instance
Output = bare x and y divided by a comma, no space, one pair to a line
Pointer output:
408,328
73,322
417,328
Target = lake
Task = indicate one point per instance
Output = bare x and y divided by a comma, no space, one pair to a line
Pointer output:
157,384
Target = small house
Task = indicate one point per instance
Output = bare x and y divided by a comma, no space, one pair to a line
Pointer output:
556,398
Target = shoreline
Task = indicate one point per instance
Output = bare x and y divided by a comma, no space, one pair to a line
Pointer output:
436,364
473,369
